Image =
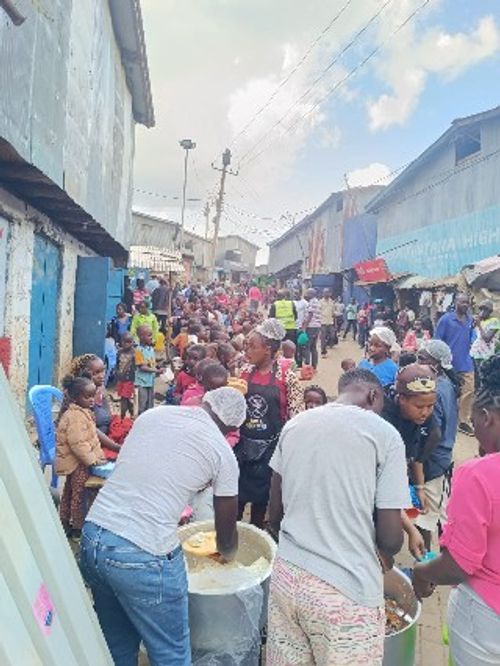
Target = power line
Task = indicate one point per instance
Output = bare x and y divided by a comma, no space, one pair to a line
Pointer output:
340,83
287,78
319,78
157,195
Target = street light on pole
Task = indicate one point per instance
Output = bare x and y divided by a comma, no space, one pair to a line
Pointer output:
187,145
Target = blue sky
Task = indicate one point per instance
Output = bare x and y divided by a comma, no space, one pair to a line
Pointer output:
215,63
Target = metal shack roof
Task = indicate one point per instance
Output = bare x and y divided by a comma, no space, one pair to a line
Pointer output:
456,126
156,259
129,32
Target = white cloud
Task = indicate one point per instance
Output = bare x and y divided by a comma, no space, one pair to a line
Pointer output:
214,63
373,174
330,137
411,58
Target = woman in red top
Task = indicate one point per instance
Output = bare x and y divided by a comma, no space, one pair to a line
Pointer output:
273,397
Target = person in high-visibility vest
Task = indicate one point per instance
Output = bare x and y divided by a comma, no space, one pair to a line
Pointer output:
283,309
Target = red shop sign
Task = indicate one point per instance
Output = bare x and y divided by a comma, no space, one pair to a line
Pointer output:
374,270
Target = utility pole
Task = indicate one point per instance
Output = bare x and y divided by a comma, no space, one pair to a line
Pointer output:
206,213
226,161
188,145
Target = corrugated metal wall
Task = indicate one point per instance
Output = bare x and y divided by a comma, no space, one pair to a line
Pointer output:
65,106
319,242
233,242
148,230
446,215
46,616
441,190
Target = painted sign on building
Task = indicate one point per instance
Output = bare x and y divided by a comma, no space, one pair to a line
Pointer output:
316,248
443,249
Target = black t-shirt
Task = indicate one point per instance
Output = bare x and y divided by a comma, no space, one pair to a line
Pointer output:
412,434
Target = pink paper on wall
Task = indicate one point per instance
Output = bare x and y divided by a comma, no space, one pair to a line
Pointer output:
43,610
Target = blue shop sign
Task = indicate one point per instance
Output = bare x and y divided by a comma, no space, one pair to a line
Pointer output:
444,248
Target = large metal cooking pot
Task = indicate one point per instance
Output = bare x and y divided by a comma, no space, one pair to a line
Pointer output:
400,647
225,627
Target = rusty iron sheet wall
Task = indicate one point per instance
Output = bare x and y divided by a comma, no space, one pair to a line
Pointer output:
65,106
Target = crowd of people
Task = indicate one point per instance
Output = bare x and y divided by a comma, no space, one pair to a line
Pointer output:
335,482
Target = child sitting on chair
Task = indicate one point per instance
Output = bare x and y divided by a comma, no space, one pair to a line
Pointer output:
78,448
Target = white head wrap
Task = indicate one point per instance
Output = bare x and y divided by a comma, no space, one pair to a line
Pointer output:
271,329
440,351
387,336
228,405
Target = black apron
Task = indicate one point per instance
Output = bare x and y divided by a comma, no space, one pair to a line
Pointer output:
258,438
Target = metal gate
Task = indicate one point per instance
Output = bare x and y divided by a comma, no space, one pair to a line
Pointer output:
44,307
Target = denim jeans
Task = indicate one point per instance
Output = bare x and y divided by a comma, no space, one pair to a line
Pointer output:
311,350
137,596
474,629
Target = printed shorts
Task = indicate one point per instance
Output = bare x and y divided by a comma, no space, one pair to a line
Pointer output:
311,622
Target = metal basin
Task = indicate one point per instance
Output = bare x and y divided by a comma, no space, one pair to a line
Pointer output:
399,648
225,627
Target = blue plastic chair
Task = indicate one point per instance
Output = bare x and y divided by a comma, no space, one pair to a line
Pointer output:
40,398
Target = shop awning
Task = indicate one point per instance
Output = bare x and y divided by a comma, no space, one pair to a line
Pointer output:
484,274
419,282
156,259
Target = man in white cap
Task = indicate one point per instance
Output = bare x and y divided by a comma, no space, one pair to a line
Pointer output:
130,553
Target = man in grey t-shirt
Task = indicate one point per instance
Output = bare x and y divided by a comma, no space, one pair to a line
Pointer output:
338,488
130,554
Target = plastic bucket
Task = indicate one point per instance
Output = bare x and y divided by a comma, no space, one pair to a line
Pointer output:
226,627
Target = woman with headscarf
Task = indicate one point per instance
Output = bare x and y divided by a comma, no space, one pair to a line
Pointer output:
381,343
273,397
470,555
437,454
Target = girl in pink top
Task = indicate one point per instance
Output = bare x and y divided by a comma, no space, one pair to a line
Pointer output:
470,556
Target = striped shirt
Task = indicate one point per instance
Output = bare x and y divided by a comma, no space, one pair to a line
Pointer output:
313,313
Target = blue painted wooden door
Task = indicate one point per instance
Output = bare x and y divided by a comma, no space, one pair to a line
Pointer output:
44,311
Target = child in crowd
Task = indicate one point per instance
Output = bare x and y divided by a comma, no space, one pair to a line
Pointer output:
125,375
120,324
381,343
180,342
160,348
314,396
288,351
77,449
144,317
194,393
212,350
348,364
227,356
186,377
110,356
145,369
193,333
210,376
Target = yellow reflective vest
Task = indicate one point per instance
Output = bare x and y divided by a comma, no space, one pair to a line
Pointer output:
284,313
